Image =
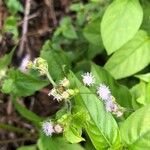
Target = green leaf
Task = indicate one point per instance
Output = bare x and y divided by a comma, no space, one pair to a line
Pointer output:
135,130
14,6
56,59
6,60
33,147
88,144
144,77
29,115
102,136
94,50
141,94
20,84
74,124
127,60
146,18
73,135
66,29
120,23
56,143
7,86
120,92
92,33
10,25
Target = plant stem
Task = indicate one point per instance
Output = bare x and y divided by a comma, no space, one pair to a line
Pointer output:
18,140
12,128
50,79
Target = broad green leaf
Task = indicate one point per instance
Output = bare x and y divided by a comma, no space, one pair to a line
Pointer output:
141,94
144,77
102,128
20,84
56,59
14,6
6,60
29,115
88,144
120,23
73,135
146,18
56,143
7,86
135,130
120,92
10,25
127,60
32,147
73,124
92,33
66,29
94,50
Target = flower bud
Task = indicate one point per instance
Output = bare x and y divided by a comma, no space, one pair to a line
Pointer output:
29,65
65,95
58,128
65,82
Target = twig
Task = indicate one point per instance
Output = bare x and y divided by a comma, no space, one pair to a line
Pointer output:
24,28
50,4
29,17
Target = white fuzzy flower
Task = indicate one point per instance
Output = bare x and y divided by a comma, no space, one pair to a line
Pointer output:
55,94
23,65
104,92
47,128
88,79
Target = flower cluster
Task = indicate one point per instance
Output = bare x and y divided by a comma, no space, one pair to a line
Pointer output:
104,94
49,128
62,91
39,64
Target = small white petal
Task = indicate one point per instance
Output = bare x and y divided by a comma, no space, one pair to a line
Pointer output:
88,79
104,92
65,82
23,65
119,114
47,128
55,94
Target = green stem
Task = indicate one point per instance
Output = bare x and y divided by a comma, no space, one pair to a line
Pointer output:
18,140
12,128
50,79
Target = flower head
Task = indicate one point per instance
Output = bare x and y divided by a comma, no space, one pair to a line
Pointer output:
104,92
24,63
55,94
110,106
38,64
88,79
47,128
